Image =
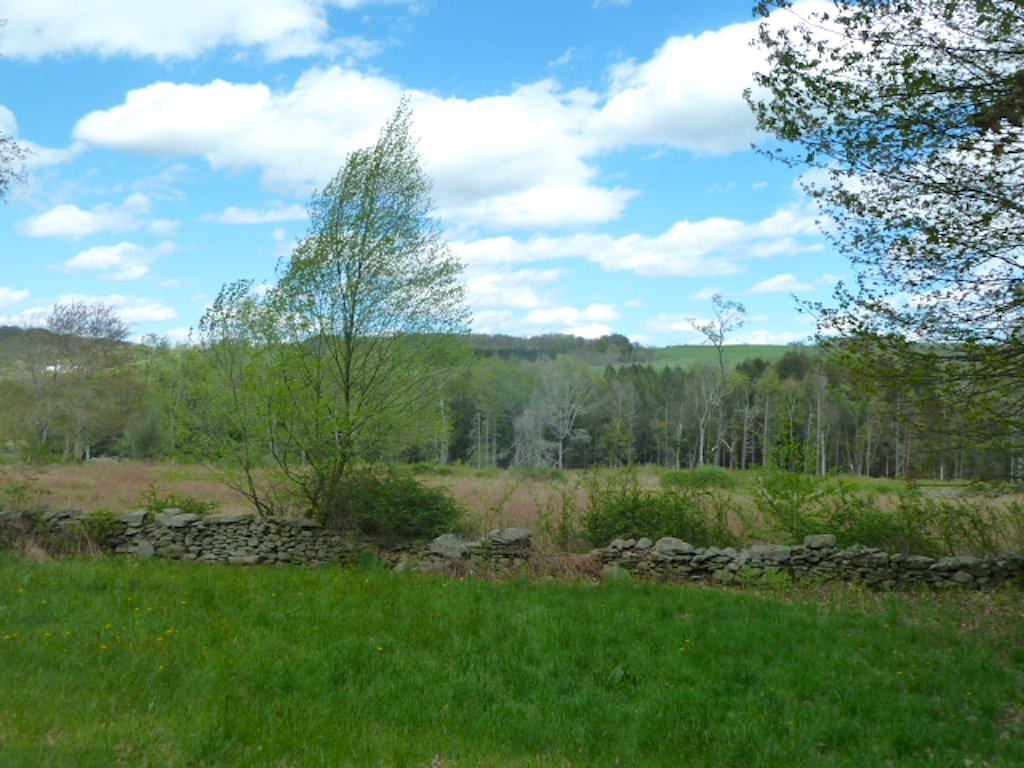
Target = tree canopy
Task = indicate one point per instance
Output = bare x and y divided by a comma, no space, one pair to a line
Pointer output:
908,115
350,347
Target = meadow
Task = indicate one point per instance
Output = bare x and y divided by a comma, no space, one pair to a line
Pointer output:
110,661
739,508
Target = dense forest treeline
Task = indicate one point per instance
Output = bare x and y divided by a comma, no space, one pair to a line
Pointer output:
552,401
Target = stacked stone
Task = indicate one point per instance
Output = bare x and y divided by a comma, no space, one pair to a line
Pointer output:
234,539
817,559
506,546
251,539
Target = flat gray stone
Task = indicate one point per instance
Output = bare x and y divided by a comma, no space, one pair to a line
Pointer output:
820,541
135,518
451,546
176,518
143,549
776,553
510,537
671,546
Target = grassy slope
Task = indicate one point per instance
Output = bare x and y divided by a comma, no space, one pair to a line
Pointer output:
118,662
685,356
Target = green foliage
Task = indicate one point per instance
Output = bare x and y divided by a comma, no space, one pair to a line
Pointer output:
156,500
425,468
366,668
345,358
561,518
620,506
910,114
386,504
800,504
704,476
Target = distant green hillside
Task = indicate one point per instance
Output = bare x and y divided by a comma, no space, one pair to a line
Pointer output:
686,356
18,345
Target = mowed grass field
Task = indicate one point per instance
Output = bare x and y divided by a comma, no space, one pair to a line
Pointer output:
690,355
110,661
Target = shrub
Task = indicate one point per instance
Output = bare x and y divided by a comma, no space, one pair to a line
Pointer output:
800,504
156,500
621,507
385,504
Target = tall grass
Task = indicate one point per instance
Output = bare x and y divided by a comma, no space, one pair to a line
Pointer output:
112,662
758,505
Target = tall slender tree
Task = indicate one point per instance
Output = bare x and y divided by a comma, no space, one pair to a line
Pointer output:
363,324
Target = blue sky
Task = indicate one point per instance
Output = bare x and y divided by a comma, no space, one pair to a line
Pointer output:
591,158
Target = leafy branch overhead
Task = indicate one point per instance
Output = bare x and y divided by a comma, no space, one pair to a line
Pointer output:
908,116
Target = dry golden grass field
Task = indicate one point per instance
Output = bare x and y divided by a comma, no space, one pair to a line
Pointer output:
551,504
493,499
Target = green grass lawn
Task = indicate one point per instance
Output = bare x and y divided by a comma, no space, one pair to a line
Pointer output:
118,662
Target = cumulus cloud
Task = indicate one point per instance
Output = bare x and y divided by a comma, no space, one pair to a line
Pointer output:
527,158
176,28
713,246
515,290
571,315
10,296
124,261
689,94
70,222
520,159
299,137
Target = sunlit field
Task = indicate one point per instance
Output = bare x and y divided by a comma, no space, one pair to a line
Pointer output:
110,661
552,503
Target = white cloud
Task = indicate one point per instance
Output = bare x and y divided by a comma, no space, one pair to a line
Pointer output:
516,290
590,322
298,137
525,159
570,316
786,283
706,294
714,246
276,212
769,337
124,261
688,95
514,160
176,28
10,296
70,222
132,309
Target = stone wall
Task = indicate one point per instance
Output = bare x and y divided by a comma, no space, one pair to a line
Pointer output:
816,559
230,539
251,540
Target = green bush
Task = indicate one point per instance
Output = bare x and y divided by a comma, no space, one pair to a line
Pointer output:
704,476
800,504
620,507
385,504
156,500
